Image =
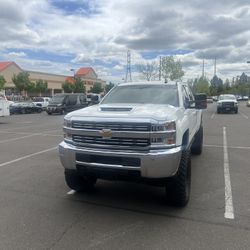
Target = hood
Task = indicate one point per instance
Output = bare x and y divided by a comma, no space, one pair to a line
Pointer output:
135,111
227,100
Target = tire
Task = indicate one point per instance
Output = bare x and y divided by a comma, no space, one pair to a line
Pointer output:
198,142
236,111
78,182
23,111
218,111
178,187
49,113
39,111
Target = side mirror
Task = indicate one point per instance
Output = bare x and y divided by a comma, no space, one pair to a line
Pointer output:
200,101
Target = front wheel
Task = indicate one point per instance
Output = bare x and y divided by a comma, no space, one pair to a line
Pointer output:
178,187
78,182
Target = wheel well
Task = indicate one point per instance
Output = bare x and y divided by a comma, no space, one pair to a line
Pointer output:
185,139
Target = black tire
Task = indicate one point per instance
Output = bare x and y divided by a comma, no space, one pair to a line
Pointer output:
78,182
39,111
236,111
23,111
198,142
178,187
218,111
49,113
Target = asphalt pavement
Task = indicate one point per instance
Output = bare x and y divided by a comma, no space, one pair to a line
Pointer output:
38,210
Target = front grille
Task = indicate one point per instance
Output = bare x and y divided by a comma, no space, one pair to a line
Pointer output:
227,104
111,125
116,141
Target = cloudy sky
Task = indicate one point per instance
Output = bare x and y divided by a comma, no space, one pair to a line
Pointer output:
58,35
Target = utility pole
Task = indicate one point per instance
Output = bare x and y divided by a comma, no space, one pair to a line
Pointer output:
160,69
203,70
128,77
215,66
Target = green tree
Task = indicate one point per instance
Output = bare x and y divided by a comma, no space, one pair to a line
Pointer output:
97,88
68,87
171,68
201,85
41,86
216,87
79,86
21,81
2,82
148,70
108,87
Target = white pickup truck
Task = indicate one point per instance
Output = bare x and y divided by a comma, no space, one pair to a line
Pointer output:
142,132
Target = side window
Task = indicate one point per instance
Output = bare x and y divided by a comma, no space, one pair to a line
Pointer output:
72,99
185,97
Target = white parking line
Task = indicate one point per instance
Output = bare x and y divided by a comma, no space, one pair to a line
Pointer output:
229,209
212,116
71,192
221,146
27,156
245,116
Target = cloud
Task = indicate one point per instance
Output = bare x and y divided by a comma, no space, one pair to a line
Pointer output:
99,33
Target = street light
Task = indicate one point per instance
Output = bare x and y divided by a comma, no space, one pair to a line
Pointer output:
73,72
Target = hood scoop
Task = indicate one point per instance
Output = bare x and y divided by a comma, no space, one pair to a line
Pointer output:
116,109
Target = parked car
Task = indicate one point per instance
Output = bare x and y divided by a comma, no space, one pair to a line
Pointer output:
227,103
41,101
24,108
63,103
248,103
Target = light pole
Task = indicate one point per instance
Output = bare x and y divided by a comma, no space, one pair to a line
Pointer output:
73,72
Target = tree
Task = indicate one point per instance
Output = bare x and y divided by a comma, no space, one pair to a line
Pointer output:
216,87
79,86
171,68
21,81
41,86
2,82
243,79
148,70
201,85
97,88
68,87
108,87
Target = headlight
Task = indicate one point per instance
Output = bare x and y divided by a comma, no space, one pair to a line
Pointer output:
168,126
166,135
58,105
236,104
67,123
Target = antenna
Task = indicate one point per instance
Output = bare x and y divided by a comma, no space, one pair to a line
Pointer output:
128,77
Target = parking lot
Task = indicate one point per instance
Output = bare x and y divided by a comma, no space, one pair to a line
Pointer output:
38,211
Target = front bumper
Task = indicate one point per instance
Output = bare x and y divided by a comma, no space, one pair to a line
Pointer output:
54,109
155,164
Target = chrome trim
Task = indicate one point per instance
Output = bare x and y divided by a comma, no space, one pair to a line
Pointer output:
92,164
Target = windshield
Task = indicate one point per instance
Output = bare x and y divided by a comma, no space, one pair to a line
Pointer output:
38,99
58,98
227,97
144,94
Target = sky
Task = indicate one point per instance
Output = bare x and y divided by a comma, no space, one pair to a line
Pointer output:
56,36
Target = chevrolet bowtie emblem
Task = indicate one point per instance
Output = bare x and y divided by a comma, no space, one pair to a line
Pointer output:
106,133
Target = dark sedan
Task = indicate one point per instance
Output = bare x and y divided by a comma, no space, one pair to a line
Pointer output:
24,108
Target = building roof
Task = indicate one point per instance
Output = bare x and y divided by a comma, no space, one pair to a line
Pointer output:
70,79
4,65
84,71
